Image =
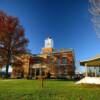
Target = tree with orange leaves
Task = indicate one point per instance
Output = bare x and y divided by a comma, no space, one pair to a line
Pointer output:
12,40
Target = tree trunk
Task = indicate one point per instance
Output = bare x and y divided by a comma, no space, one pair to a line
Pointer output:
8,62
7,68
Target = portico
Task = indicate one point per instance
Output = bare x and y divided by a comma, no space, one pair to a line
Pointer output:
92,64
92,71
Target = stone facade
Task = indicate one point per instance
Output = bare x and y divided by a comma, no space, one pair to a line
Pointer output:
56,64
21,71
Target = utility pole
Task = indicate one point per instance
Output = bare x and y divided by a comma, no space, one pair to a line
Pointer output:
41,78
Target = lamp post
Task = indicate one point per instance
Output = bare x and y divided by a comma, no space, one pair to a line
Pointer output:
41,75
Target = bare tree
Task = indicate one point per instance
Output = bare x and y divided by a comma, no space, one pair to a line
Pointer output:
94,9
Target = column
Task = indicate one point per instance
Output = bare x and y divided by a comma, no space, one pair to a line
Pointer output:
35,72
40,70
95,71
99,71
86,70
30,71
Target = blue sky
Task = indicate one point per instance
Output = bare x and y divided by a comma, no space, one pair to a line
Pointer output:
67,21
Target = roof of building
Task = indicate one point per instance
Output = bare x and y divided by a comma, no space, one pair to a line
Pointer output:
92,62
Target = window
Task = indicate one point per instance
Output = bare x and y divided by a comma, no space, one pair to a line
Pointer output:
64,60
52,61
58,61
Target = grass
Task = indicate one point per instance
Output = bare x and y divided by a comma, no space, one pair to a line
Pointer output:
52,90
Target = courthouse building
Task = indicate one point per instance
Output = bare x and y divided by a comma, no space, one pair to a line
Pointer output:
50,63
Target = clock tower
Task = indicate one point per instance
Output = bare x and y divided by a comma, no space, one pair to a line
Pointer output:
48,46
49,43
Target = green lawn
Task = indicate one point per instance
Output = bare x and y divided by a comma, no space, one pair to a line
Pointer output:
52,90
